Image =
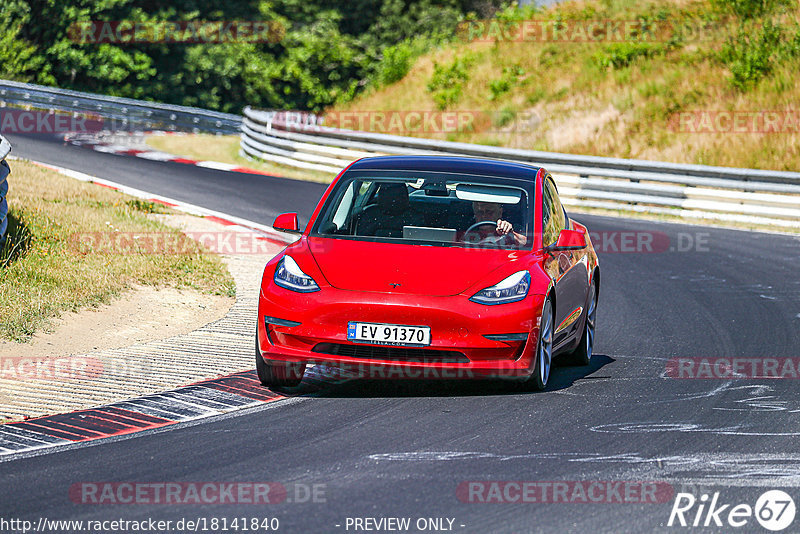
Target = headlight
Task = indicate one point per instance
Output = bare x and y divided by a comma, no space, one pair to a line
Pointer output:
512,289
289,275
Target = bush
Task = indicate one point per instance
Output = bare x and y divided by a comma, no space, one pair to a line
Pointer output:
18,59
505,82
447,82
620,55
395,64
752,54
748,9
396,60
790,48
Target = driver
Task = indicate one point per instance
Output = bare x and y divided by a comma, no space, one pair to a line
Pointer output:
493,211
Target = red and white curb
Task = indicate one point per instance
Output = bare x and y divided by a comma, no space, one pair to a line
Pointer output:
156,155
202,400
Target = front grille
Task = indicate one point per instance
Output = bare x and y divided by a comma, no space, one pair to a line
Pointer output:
400,354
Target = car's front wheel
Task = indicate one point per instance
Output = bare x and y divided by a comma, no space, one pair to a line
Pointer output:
278,374
544,349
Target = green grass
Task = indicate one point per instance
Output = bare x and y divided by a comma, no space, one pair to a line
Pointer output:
44,271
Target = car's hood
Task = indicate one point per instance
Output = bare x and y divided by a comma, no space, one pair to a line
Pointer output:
418,269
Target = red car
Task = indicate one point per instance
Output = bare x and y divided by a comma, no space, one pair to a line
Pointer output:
429,266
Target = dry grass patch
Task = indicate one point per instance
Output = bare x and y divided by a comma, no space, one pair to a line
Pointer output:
225,149
621,99
43,272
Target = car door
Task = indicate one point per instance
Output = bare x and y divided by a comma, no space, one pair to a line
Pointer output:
567,268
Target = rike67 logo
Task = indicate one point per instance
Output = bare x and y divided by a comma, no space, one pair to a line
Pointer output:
774,510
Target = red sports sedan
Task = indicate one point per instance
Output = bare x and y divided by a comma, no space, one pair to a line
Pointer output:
429,266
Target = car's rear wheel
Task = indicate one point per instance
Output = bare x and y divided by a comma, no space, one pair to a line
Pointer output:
278,374
582,355
544,349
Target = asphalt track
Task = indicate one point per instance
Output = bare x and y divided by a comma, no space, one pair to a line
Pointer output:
401,449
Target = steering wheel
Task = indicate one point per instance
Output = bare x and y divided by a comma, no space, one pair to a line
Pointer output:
488,239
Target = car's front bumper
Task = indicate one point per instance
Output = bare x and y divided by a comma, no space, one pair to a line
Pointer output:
459,347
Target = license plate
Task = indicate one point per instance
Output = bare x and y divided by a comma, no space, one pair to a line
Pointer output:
389,334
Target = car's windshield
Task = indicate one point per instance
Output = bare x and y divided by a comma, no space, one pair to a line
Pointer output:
432,208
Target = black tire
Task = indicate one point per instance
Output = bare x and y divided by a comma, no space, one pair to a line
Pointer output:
582,355
278,374
544,349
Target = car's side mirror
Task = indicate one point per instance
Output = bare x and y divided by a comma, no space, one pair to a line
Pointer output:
569,240
286,222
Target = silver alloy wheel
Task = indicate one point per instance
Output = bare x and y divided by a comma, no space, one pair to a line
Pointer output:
545,342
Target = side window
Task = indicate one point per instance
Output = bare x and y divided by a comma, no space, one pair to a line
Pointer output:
340,217
547,207
553,213
558,212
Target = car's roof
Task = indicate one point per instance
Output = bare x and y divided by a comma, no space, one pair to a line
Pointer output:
453,164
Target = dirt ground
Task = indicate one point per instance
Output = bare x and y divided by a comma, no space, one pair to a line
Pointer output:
141,314
138,315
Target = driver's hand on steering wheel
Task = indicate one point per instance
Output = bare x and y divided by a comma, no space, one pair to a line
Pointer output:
503,227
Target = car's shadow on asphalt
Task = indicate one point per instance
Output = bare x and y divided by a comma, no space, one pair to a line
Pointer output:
562,376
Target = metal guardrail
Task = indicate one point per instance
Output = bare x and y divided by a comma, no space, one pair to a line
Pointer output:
120,114
5,148
696,191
